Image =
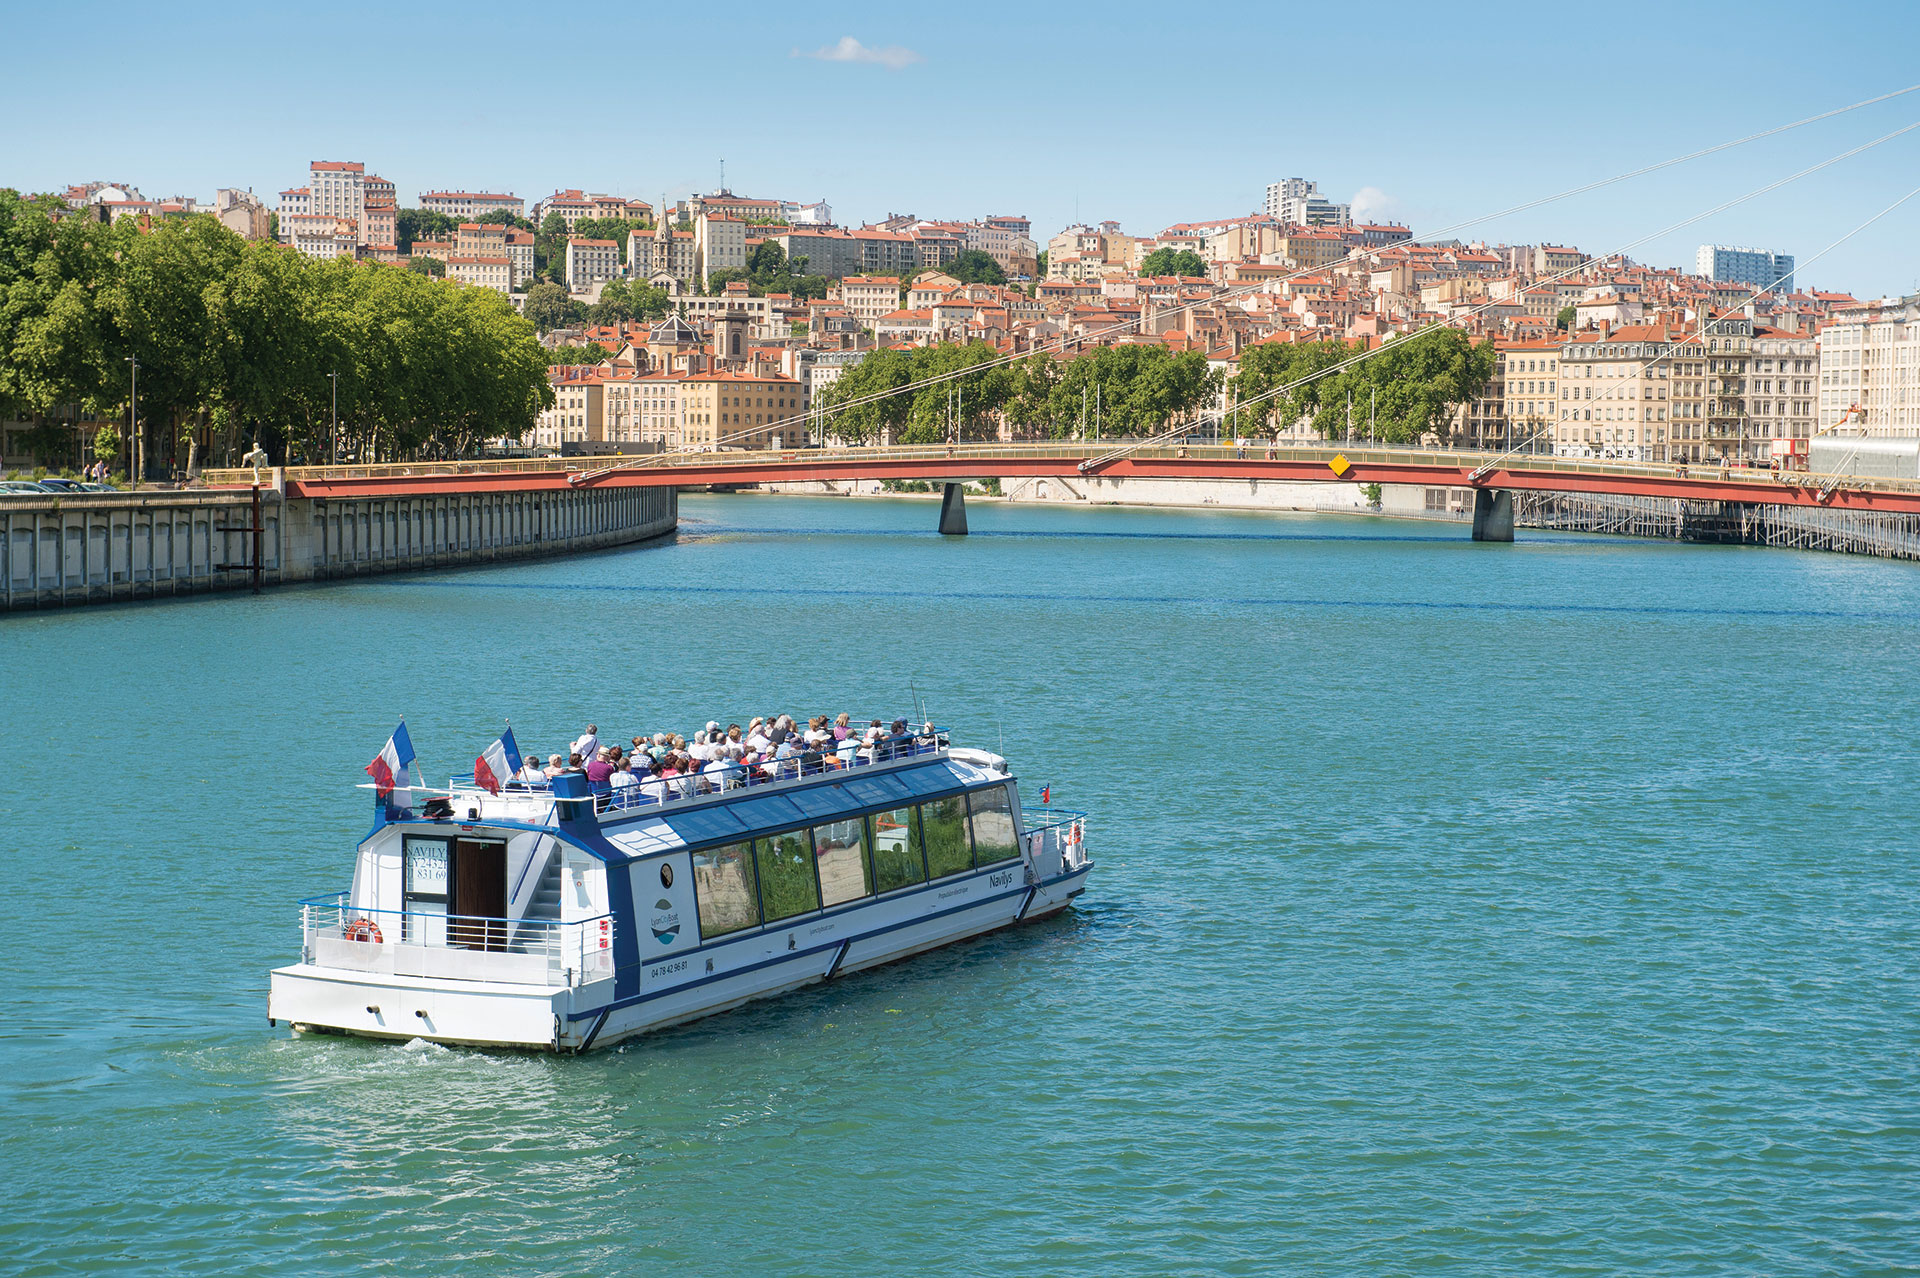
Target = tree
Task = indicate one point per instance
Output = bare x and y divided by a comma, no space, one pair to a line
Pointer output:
1042,269
550,247
1565,318
973,266
420,224
1403,392
549,307
427,266
238,341
504,217
1169,261
106,444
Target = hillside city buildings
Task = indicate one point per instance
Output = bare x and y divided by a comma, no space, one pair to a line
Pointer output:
1602,357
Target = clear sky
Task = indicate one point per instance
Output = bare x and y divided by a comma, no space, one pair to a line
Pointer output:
1147,114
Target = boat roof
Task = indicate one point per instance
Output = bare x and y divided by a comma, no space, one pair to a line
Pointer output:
741,814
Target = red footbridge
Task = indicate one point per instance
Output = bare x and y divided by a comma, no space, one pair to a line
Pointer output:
1493,476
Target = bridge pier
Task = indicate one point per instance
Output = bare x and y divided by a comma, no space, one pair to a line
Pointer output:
1492,514
953,512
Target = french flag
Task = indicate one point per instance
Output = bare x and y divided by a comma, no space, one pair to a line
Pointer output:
389,767
497,763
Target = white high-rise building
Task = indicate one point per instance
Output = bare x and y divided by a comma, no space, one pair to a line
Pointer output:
1298,201
1869,355
1725,264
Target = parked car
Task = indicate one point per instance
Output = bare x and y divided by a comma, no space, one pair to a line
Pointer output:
22,487
99,488
53,484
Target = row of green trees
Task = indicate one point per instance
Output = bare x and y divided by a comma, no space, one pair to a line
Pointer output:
1404,392
1110,390
1411,389
238,341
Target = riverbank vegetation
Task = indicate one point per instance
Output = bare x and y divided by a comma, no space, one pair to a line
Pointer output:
237,341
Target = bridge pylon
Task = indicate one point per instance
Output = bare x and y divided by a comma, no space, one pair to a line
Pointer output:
953,512
1492,514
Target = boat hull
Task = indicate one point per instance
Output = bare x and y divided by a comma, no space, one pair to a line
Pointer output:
673,991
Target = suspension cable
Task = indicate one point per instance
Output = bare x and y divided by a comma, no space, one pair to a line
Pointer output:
1360,357
1062,342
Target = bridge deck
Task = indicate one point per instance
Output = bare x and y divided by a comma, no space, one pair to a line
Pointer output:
1293,464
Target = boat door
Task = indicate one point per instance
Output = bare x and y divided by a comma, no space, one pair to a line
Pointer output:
479,895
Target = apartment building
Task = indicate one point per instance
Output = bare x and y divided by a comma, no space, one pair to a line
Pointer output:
663,255
241,213
464,206
746,208
1726,264
736,300
645,409
1616,389
579,408
1782,378
590,261
320,235
1530,395
868,297
1299,202
495,273
571,205
742,410
719,243
520,253
1869,352
338,189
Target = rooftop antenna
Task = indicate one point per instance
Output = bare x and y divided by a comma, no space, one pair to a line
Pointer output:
723,173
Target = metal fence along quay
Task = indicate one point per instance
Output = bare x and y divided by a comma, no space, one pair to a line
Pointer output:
1107,458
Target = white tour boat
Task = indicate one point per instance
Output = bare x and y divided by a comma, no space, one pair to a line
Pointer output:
562,919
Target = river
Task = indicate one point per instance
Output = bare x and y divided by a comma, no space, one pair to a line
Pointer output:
1533,909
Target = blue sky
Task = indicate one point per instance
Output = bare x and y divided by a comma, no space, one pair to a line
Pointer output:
1148,114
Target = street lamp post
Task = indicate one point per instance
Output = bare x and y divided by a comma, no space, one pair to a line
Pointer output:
133,426
334,437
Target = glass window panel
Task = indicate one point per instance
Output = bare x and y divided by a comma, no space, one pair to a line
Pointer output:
701,824
897,862
840,848
787,883
768,811
881,789
823,800
724,885
993,839
943,834
426,867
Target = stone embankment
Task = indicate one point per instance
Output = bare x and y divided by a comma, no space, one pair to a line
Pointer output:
156,543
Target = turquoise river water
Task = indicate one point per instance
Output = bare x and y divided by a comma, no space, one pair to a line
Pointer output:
1468,909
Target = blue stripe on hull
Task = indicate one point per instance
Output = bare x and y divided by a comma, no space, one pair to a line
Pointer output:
807,965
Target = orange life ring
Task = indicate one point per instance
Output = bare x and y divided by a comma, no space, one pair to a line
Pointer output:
363,929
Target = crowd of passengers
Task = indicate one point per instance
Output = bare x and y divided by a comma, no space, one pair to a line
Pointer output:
774,748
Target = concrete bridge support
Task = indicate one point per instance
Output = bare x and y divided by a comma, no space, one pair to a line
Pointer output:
953,512
1492,514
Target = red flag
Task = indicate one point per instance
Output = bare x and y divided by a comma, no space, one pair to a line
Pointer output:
1046,792
483,775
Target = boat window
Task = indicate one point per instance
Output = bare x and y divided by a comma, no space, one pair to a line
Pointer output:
993,840
787,883
424,888
897,862
943,836
725,886
840,847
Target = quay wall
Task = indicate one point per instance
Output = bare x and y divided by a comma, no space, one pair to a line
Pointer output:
106,547
1883,535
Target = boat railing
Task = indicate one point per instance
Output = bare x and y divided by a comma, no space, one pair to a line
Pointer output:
1057,839
851,755
336,933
